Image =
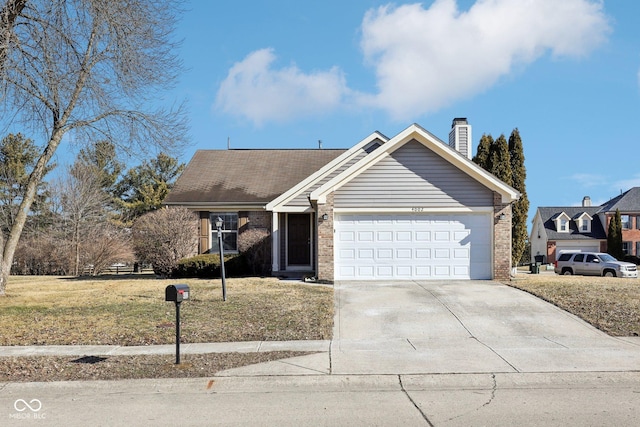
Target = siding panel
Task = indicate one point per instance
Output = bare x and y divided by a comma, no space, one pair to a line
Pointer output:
413,176
301,199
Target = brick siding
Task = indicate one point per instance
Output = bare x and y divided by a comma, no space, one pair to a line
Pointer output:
325,241
501,239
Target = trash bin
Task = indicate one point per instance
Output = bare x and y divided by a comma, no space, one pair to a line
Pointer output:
535,268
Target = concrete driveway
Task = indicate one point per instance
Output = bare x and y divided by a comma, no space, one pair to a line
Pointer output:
464,327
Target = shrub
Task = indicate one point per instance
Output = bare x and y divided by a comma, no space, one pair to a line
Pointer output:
255,245
203,266
207,266
164,237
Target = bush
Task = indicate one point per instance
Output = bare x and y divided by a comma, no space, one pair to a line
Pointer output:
207,266
203,266
164,237
255,245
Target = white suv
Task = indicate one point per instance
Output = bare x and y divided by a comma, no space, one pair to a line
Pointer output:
594,264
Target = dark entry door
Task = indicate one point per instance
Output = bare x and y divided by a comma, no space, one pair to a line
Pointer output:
299,239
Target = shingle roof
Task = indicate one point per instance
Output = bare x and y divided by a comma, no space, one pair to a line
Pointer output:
548,214
245,176
628,202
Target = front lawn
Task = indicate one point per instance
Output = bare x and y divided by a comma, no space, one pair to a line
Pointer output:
610,304
131,310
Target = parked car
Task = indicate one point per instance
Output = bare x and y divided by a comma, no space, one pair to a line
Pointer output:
594,264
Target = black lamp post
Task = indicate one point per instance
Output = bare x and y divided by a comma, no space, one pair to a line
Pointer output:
219,224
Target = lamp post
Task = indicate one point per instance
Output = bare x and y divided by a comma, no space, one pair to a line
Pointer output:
219,224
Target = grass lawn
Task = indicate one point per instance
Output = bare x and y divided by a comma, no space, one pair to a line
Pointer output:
610,304
131,310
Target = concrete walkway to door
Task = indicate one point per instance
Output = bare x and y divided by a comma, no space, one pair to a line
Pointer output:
465,327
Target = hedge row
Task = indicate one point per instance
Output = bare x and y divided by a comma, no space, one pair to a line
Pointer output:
207,266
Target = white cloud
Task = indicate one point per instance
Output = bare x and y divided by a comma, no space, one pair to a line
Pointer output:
588,180
255,90
424,59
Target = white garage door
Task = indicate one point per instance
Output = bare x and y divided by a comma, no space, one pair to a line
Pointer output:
417,246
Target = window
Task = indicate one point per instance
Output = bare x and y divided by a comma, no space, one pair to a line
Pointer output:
229,231
592,258
579,258
624,219
626,248
638,223
638,249
565,256
564,225
585,225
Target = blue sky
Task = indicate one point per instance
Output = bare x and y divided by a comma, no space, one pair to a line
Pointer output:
286,74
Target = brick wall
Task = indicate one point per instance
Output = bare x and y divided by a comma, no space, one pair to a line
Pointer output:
325,241
501,239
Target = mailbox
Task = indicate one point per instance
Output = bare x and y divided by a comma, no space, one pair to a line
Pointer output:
177,293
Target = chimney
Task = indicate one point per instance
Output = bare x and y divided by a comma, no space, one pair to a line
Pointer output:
586,201
460,136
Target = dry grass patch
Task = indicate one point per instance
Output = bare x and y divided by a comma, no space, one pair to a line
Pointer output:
48,368
610,304
130,310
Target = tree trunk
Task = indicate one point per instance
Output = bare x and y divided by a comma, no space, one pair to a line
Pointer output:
8,16
9,247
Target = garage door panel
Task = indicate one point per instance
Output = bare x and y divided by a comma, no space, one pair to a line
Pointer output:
413,246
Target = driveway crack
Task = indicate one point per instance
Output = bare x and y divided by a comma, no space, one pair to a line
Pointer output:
413,402
467,329
492,397
331,358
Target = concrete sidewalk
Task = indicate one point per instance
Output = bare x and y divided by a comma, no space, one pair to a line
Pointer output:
199,348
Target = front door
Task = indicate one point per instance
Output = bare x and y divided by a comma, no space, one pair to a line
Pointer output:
299,240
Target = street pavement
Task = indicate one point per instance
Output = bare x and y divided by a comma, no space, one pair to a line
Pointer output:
403,353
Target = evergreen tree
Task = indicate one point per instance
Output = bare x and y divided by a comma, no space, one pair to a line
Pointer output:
482,157
18,157
521,206
614,236
500,162
143,188
102,159
505,160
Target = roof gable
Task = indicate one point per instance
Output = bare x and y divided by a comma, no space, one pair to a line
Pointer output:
428,140
364,147
629,201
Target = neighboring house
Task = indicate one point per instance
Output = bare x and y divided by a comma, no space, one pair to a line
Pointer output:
407,207
584,228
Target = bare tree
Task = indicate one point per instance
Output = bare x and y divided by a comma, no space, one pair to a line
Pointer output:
8,16
83,207
109,244
164,237
90,67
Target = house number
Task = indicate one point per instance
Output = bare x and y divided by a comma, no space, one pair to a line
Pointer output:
417,209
